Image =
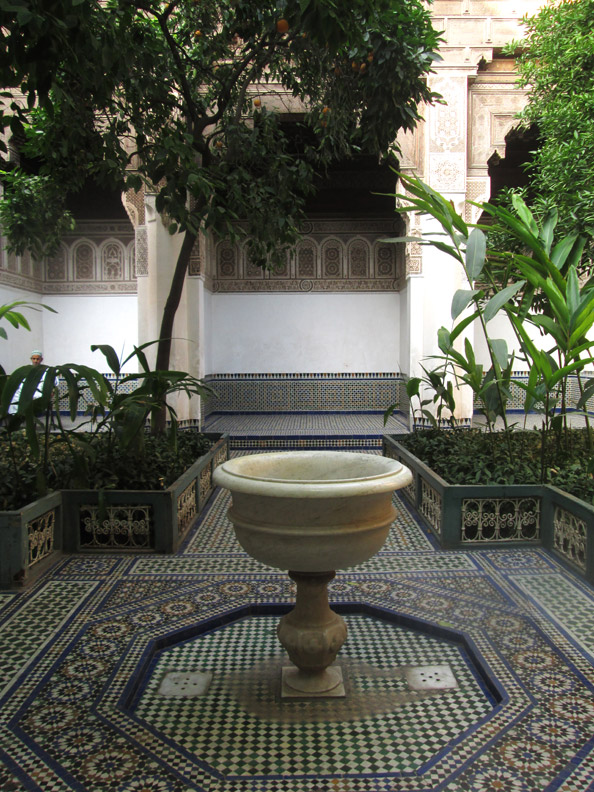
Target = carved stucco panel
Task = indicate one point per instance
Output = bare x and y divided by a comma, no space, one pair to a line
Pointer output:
141,255
112,260
447,172
84,256
306,260
227,264
492,115
447,125
476,190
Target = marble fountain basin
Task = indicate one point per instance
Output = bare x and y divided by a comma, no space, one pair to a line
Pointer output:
312,511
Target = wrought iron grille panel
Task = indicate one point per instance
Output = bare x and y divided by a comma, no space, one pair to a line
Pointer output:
220,456
205,483
570,537
500,519
186,508
125,527
41,536
431,503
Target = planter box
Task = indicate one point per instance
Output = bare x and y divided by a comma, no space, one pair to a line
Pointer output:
487,516
110,521
30,540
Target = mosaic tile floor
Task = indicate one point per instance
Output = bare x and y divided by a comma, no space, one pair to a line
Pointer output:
84,653
305,430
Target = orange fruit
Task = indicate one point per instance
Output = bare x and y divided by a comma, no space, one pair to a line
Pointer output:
197,33
325,110
355,66
219,144
282,26
363,67
370,57
257,102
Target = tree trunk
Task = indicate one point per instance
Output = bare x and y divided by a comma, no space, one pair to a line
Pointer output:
159,420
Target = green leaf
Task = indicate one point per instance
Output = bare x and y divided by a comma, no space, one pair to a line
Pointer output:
562,250
548,229
500,299
110,355
461,299
500,352
412,386
444,340
476,250
525,214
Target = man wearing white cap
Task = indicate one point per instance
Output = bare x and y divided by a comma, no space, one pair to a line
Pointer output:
36,360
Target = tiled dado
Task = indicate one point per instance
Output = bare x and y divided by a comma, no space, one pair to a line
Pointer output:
518,394
258,393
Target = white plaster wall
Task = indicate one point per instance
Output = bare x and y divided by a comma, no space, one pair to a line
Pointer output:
303,333
16,349
84,320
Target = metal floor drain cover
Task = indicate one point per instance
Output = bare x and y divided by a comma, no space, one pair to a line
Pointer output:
430,677
185,684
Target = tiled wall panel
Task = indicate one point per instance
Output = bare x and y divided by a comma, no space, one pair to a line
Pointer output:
305,392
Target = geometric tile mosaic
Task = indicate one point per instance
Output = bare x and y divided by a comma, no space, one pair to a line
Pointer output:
568,603
240,727
84,649
34,623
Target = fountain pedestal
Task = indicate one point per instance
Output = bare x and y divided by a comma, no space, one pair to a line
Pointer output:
312,633
312,512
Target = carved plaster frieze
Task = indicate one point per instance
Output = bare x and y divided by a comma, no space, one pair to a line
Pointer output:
327,285
96,258
128,287
21,282
332,257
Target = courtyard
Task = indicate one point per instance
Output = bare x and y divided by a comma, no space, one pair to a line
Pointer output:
162,673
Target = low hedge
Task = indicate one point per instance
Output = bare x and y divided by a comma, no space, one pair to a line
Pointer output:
472,456
96,463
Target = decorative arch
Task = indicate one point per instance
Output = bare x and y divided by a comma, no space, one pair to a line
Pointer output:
84,260
332,258
131,260
306,259
384,256
57,266
358,258
112,259
227,260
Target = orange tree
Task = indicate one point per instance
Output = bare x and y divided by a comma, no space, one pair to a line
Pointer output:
174,95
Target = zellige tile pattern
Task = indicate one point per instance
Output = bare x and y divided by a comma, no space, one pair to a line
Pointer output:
85,648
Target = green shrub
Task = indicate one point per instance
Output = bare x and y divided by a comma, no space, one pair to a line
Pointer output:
106,466
471,456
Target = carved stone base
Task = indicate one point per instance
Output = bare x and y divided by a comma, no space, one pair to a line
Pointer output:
324,684
312,634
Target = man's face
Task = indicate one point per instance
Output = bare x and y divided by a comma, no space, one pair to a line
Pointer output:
36,360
